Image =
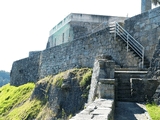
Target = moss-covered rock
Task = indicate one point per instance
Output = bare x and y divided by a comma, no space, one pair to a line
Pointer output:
66,93
53,97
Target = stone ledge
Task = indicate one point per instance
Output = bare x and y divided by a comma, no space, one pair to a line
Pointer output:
142,72
107,81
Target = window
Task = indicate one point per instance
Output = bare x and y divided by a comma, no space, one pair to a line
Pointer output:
63,38
55,42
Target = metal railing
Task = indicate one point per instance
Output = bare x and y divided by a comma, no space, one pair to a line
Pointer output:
128,39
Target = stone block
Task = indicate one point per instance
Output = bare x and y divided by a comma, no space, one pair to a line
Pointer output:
105,90
107,81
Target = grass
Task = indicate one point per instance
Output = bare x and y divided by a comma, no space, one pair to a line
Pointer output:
58,79
83,75
11,96
29,110
15,103
86,77
154,111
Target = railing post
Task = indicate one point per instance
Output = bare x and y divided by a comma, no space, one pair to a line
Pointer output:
127,42
143,58
115,31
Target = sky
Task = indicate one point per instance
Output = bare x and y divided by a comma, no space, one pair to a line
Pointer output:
25,24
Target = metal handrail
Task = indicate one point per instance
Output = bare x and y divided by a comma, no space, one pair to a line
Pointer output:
131,42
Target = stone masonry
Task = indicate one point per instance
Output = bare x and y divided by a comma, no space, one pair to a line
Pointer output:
145,5
102,83
77,53
82,51
145,28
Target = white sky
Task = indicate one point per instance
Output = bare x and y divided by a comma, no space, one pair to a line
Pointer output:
25,24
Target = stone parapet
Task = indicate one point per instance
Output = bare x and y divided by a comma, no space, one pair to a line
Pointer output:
102,84
100,109
143,89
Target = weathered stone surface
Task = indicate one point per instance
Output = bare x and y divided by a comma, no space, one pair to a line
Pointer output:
75,54
131,111
147,32
143,89
145,5
61,101
26,70
101,109
103,70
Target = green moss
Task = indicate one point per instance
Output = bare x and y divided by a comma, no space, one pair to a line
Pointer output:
58,79
86,77
11,96
153,111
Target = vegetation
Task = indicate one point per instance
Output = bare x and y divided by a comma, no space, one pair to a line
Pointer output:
29,110
153,111
15,103
86,77
58,79
4,77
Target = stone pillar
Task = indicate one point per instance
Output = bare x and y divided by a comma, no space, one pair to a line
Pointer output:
102,78
145,5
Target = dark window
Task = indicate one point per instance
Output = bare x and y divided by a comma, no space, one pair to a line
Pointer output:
63,38
55,42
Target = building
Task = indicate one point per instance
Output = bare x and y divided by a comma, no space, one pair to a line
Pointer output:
76,25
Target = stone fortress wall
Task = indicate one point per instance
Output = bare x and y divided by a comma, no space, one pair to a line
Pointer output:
145,28
82,52
26,70
78,53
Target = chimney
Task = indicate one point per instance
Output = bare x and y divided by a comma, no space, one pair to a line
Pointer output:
145,5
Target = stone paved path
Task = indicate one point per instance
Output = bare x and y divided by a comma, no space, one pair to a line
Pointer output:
130,111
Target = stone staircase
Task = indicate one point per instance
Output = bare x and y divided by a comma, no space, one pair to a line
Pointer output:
130,43
135,57
124,76
123,87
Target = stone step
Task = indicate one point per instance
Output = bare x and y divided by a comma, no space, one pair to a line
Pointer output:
124,80
126,99
123,88
124,83
127,69
124,96
124,93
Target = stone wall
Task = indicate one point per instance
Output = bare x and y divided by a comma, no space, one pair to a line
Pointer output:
25,70
145,28
145,5
143,89
82,52
79,53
